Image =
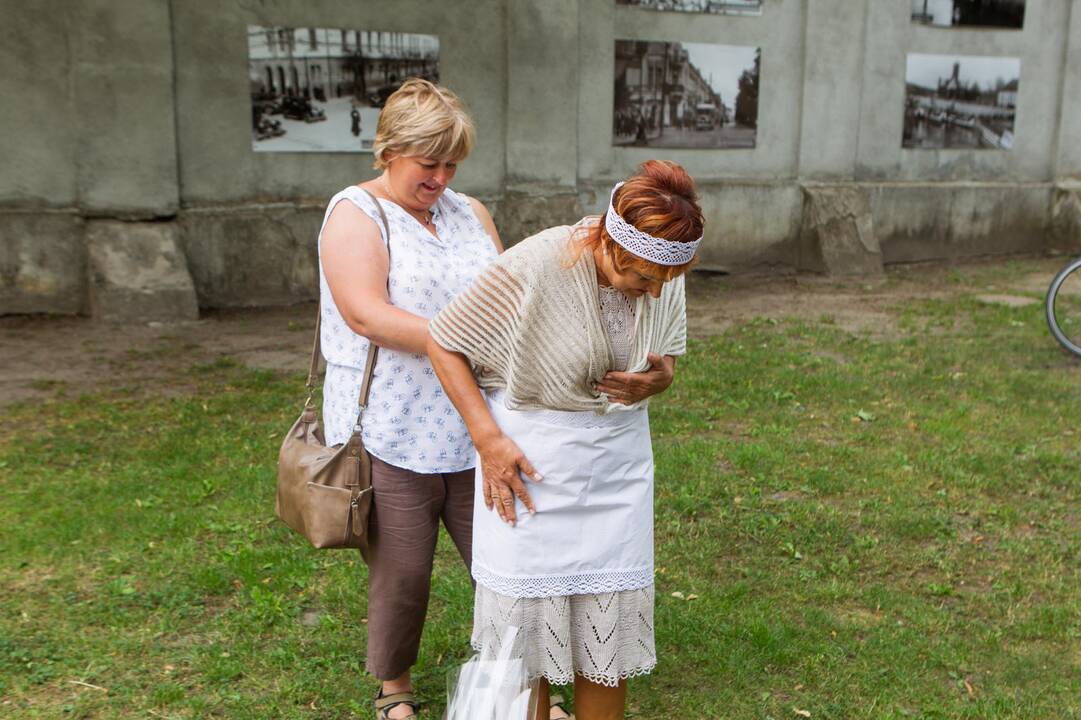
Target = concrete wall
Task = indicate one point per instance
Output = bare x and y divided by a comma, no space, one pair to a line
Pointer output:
138,110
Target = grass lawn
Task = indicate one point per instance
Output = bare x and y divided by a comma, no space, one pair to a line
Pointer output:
849,525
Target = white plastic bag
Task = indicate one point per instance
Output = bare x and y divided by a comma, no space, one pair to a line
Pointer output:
496,689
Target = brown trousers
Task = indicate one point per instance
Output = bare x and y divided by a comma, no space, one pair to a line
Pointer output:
403,530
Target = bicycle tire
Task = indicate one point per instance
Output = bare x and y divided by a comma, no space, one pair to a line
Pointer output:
1049,307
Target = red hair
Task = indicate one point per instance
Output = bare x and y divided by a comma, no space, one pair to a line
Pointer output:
660,199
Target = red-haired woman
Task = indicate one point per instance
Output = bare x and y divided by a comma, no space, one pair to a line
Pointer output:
524,354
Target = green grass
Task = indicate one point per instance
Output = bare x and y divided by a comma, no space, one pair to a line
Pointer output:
873,528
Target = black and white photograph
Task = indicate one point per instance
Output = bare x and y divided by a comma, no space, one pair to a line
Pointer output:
960,101
1002,14
321,90
719,7
685,95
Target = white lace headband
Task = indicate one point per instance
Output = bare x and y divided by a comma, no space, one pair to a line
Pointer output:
655,249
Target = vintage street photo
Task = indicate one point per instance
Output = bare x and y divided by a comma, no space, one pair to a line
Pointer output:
685,95
720,7
969,13
960,101
320,89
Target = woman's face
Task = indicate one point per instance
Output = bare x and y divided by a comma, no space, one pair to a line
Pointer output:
633,283
419,181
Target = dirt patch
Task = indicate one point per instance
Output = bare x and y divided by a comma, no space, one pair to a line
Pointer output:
715,304
43,357
1007,300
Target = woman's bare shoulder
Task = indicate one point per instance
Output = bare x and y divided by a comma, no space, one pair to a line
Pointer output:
348,220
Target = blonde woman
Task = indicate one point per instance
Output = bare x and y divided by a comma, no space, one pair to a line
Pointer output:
422,457
527,354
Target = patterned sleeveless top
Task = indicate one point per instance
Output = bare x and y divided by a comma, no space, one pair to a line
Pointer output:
409,422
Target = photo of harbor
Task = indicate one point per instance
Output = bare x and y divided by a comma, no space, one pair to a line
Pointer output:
960,101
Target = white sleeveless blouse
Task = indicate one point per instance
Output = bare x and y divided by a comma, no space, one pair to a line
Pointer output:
409,422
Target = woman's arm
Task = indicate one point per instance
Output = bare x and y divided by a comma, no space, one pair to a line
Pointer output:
502,461
624,388
356,265
486,220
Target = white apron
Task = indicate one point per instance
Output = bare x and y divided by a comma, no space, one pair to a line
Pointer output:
593,529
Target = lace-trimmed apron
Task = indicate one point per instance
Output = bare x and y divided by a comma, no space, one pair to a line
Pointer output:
577,577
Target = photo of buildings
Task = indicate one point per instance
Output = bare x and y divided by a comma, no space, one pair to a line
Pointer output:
685,95
960,101
720,7
969,13
320,90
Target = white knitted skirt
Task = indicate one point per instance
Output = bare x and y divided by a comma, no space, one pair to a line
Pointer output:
604,637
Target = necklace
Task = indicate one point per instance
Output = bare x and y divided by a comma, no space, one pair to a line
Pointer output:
426,220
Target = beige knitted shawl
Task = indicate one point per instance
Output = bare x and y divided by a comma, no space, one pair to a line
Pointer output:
532,326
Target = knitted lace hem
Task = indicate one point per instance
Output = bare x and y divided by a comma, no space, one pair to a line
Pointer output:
581,584
567,678
603,637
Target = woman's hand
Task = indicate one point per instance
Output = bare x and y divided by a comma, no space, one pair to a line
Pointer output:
502,464
626,388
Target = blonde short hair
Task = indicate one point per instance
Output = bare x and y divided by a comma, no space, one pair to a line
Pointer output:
422,119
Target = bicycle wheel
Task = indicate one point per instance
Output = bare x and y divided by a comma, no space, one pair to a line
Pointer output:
1063,307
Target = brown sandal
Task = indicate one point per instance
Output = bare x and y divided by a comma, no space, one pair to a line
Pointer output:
385,703
555,702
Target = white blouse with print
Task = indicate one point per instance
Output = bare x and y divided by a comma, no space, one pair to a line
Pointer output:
410,422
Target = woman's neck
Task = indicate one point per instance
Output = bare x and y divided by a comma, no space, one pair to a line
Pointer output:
423,215
602,278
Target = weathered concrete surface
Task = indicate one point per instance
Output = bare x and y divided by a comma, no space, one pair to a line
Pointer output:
542,142
137,273
88,112
1069,137
123,90
838,231
42,263
1066,218
938,221
39,137
256,255
518,215
832,71
749,226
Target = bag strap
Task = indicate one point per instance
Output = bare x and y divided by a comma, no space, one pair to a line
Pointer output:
373,349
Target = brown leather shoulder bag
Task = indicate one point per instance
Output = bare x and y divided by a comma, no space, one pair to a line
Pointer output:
325,493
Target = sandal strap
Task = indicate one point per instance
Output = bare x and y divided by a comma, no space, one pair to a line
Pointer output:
556,701
386,703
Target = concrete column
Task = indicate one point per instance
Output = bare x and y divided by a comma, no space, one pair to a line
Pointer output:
137,273
42,262
123,109
834,35
542,94
1068,157
542,118
37,144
